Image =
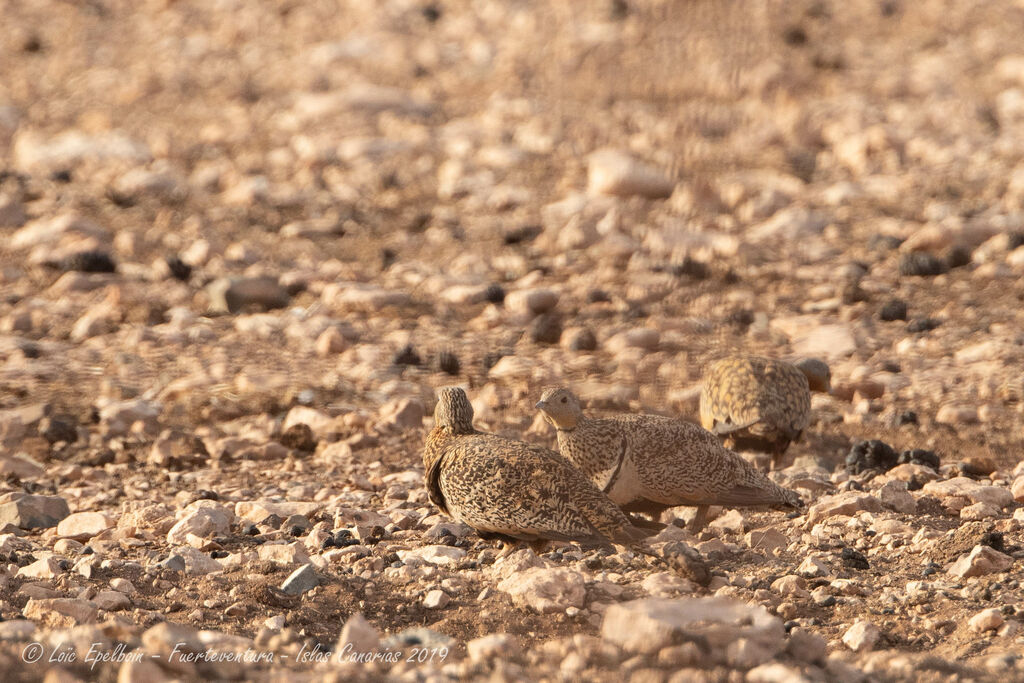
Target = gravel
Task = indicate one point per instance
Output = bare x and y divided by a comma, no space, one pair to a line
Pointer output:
233,276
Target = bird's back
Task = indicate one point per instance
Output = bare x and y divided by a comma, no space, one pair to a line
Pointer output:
760,395
679,463
517,489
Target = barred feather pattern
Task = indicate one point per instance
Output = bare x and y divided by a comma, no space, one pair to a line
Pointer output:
647,462
503,486
761,403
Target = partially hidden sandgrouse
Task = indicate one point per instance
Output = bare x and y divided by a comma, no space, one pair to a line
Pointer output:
507,488
646,463
761,404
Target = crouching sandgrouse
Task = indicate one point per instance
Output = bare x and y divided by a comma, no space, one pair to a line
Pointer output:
646,463
507,488
761,404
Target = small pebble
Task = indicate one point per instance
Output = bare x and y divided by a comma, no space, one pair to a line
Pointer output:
448,362
583,340
406,356
90,262
854,559
922,264
894,309
179,269
546,329
922,325
873,454
494,294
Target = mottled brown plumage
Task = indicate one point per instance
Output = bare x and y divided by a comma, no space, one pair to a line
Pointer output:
760,404
647,463
510,488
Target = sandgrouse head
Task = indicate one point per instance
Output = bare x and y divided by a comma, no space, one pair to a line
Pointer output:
819,377
560,407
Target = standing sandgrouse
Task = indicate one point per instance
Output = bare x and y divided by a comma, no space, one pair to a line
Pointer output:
502,487
761,404
647,463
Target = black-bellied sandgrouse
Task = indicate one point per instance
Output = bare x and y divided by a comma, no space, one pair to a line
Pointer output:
507,488
646,463
761,404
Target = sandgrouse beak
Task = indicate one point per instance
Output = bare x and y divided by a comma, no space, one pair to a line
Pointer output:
541,405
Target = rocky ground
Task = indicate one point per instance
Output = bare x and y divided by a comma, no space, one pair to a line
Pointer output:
241,243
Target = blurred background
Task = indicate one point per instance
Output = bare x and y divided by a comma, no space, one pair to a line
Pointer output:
230,208
242,242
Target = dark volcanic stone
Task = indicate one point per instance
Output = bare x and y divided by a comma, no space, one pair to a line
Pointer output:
418,223
884,242
299,437
794,36
179,269
958,257
495,294
33,43
852,293
744,317
431,13
730,277
907,417
29,349
293,521
994,540
893,309
525,233
698,270
922,325
546,329
449,362
583,340
889,9
407,356
919,456
915,483
892,366
802,163
55,429
90,262
870,455
854,559
95,458
922,264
